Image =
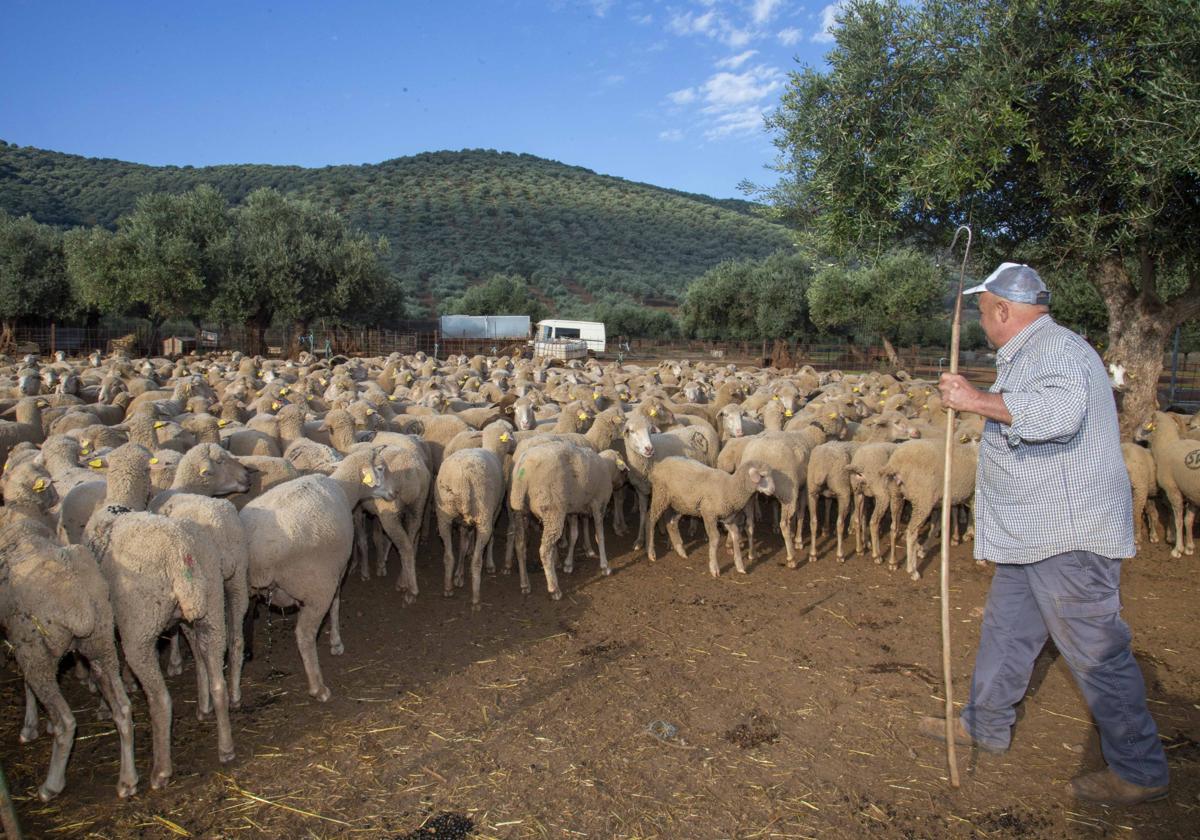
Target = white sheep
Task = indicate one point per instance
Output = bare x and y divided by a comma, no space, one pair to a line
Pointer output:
300,535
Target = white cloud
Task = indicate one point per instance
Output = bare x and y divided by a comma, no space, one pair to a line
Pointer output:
643,20
671,135
740,123
735,37
736,61
601,7
828,22
763,10
683,97
693,24
789,36
725,91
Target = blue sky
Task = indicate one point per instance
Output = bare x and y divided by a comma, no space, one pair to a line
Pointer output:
669,93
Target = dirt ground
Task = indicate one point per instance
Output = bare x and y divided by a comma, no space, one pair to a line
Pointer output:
658,702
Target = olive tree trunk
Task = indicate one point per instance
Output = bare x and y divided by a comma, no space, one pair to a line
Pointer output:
1139,325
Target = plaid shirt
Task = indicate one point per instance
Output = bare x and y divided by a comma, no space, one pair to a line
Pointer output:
1054,480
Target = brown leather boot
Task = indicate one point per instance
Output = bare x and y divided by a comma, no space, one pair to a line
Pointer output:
935,728
1107,788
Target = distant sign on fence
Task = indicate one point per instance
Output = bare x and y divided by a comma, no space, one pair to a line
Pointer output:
210,338
498,327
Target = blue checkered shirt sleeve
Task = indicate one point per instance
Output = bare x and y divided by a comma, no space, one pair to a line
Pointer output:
1053,480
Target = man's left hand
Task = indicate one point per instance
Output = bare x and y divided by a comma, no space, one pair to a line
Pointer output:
958,393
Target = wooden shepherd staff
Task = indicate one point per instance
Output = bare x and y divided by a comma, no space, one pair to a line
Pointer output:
955,331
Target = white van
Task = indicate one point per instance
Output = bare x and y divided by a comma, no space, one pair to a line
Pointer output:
591,332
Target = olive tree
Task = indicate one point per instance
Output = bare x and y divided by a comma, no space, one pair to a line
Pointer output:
33,277
1062,130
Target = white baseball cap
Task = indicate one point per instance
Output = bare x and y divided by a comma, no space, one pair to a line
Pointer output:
1016,282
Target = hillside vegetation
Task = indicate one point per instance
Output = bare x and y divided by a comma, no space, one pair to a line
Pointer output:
452,219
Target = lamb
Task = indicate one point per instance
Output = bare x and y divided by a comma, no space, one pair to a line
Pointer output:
468,490
1143,481
690,488
28,425
868,482
786,458
915,470
54,599
127,483
1179,482
300,535
829,476
159,570
552,481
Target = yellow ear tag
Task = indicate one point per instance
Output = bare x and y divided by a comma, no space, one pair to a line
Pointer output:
1150,427
324,381
833,415
622,464
596,395
582,416
391,398
775,397
653,412
274,406
95,463
39,485
856,389
370,412
84,450
258,393
787,412
368,478
964,439
624,397
204,471
153,461
222,423
158,424
283,392
504,438
883,392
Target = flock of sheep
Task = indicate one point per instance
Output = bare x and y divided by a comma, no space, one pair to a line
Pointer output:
152,496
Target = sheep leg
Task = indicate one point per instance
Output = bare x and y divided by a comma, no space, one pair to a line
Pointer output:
308,622
859,523
714,539
406,582
641,537
876,521
572,536
102,654
383,545
491,557
801,510
734,528
1175,497
919,515
237,602
465,535
141,658
483,536
203,698
896,502
1153,523
445,531
955,524
552,529
519,524
658,506
812,523
749,537
618,517
336,648
29,728
1189,521
360,544
585,523
175,656
81,674
209,635
787,515
843,510
598,523
41,675
676,538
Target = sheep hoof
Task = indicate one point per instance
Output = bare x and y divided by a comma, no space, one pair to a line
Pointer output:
449,593
476,607
915,575
202,714
793,564
841,558
46,794
28,735
953,542
322,695
227,756
408,599
126,790
525,590
337,650
1175,553
878,560
556,595
893,567
1189,551
174,670
159,780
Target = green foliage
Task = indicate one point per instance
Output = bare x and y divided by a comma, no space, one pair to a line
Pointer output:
33,280
1061,128
627,319
503,294
894,298
745,300
453,219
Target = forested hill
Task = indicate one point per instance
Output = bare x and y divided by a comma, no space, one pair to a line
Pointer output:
452,218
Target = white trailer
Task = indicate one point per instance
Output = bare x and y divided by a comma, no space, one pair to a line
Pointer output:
589,332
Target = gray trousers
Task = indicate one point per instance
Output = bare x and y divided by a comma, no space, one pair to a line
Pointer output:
1073,598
